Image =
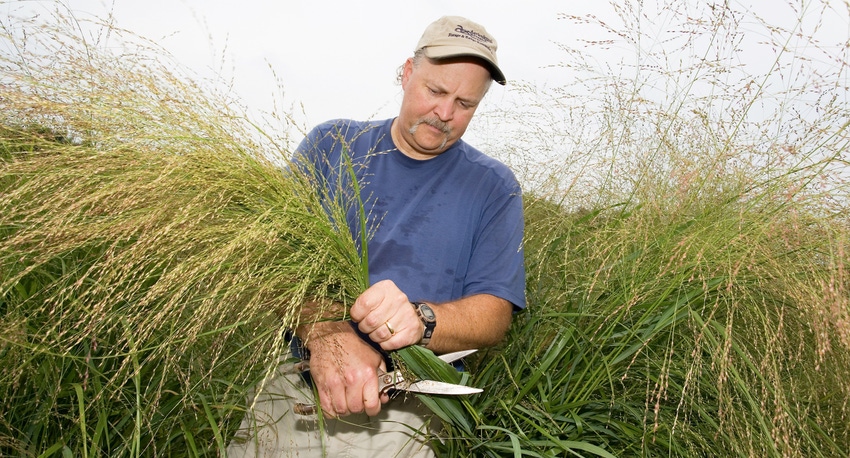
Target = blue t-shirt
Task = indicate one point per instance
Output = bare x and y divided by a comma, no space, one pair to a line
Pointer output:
441,229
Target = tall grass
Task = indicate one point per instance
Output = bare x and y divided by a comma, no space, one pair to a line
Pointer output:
686,248
152,250
154,246
686,245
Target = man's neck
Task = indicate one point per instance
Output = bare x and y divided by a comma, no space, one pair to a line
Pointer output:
402,146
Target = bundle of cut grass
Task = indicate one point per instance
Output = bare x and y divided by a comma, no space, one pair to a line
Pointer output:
151,253
154,246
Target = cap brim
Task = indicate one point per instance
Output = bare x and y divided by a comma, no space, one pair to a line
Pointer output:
449,52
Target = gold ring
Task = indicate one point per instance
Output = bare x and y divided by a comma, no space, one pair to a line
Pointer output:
390,328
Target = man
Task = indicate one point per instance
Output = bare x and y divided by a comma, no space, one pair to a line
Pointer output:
445,230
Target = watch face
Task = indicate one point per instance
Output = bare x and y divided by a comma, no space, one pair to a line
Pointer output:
427,313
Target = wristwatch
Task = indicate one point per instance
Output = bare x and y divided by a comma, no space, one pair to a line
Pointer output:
428,319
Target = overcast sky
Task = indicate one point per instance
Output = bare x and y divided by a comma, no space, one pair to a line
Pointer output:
339,57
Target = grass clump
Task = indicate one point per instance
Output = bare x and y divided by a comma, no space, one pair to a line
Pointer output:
686,248
152,249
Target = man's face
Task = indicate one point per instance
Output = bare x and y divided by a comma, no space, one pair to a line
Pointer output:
439,101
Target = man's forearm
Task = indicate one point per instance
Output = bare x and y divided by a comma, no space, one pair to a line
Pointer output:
477,321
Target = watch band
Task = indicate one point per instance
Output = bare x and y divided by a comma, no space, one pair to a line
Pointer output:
428,319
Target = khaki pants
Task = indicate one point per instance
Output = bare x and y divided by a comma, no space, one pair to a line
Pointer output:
271,428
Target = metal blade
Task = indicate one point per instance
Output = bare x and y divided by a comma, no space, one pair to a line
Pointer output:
454,356
435,387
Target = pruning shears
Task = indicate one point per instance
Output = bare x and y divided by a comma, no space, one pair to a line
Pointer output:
388,381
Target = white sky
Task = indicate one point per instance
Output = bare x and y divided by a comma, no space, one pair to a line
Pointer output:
338,58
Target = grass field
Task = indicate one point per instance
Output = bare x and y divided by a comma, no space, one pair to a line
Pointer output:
686,251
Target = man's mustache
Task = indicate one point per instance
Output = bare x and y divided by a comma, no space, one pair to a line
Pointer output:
433,122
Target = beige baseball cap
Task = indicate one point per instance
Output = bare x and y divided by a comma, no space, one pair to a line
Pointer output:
455,36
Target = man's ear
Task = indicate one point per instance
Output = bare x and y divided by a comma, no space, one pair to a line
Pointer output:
408,70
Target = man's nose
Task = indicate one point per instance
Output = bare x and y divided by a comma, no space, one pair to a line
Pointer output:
444,110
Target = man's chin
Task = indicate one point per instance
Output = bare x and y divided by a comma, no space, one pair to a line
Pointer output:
433,145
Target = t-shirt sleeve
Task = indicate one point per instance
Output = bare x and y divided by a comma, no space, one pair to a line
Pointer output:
497,265
313,153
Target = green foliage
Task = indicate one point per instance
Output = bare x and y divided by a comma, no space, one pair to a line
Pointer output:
149,259
687,264
691,335
144,293
686,248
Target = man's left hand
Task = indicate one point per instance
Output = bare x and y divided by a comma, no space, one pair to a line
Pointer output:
384,313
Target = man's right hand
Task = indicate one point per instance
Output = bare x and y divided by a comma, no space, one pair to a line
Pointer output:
344,369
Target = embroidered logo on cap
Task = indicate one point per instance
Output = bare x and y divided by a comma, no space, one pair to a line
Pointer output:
479,38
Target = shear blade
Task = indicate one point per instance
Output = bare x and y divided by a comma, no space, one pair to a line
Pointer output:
454,356
435,387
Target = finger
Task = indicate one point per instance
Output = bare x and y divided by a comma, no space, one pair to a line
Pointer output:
359,309
354,400
380,298
366,304
340,406
334,402
383,396
325,400
379,318
382,334
372,397
409,332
